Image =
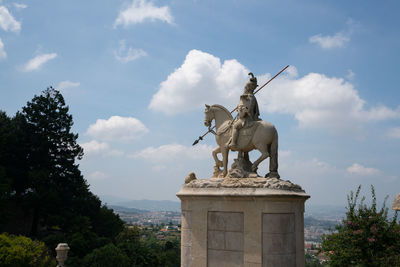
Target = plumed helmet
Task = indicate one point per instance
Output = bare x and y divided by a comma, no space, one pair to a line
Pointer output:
251,84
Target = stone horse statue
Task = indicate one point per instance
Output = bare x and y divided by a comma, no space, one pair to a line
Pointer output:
260,135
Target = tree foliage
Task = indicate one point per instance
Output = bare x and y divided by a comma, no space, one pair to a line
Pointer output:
366,236
43,193
22,251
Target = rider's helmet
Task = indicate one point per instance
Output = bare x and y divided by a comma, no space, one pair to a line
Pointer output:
251,84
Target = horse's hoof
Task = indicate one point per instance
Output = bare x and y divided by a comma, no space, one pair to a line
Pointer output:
272,175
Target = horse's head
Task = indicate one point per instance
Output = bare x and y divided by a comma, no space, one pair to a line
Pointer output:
208,116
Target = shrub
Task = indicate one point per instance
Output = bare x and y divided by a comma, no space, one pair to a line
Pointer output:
22,251
366,236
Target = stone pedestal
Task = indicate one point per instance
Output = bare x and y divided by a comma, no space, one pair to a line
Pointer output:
242,222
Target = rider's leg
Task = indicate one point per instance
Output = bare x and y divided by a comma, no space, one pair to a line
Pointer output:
235,135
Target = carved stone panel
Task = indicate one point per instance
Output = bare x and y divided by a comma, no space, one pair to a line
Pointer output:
225,239
278,240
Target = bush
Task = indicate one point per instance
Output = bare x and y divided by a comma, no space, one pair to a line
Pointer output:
22,251
366,236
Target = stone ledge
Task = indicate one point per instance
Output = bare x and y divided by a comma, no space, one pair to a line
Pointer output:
259,182
240,192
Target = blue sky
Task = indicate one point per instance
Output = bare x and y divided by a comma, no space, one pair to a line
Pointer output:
136,75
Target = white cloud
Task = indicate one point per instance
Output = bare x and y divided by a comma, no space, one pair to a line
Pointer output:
359,169
97,175
7,21
394,132
201,79
126,54
117,128
142,10
38,61
67,84
319,101
99,148
315,100
20,6
95,147
3,53
339,39
173,152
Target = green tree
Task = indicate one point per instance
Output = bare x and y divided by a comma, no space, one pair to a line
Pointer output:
43,193
366,236
107,256
54,179
23,252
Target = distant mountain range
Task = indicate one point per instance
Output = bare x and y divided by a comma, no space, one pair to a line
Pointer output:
124,209
141,205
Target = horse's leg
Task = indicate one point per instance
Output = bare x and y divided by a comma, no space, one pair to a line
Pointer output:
273,160
225,154
263,148
218,162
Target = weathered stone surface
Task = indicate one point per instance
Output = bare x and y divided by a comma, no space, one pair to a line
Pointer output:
216,240
280,261
186,240
191,176
225,238
278,239
213,211
259,182
186,216
221,258
278,223
281,244
396,202
234,241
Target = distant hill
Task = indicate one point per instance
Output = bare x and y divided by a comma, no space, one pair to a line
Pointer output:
152,205
144,204
124,209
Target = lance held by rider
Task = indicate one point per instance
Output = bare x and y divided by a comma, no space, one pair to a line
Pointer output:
211,129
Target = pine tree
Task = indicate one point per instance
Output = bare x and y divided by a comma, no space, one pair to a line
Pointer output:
54,180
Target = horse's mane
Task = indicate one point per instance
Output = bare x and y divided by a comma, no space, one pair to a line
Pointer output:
224,109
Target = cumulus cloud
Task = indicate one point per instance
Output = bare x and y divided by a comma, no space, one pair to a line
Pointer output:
67,84
142,10
319,101
99,148
7,21
126,54
38,61
117,128
202,78
315,100
3,53
394,132
339,39
95,147
359,169
172,152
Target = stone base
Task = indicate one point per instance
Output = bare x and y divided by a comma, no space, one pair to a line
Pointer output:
231,226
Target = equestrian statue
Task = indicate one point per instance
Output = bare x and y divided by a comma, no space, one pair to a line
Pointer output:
244,133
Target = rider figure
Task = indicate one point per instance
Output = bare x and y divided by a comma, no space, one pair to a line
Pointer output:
247,109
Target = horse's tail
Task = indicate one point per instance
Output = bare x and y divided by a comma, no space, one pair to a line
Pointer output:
273,153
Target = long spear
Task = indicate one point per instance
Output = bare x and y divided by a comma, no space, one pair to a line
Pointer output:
211,129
